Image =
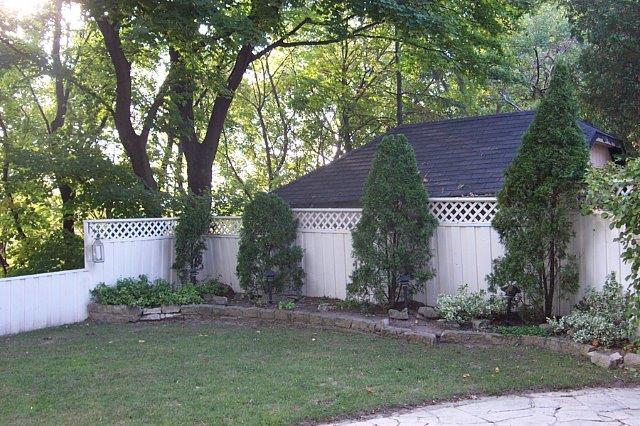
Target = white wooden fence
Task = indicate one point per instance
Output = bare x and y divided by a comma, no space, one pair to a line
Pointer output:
464,245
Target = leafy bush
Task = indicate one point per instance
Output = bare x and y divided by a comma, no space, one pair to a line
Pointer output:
614,191
539,195
211,286
143,293
522,330
288,305
194,223
465,306
267,242
351,304
600,317
392,238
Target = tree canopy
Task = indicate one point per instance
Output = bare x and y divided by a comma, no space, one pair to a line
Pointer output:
119,108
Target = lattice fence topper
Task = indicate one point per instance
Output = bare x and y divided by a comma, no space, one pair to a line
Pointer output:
327,220
226,225
447,210
126,229
452,211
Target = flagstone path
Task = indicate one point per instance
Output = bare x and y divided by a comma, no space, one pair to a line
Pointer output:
619,406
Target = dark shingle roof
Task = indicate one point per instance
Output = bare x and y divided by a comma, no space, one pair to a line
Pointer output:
459,157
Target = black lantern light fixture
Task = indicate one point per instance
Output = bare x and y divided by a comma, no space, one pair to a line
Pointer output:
97,250
510,291
269,276
404,286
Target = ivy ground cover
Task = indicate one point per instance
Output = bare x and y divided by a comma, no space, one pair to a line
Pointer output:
218,373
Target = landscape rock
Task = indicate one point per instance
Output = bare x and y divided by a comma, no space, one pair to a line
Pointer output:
605,359
427,312
267,314
215,300
151,311
325,307
632,360
252,312
150,317
481,324
421,336
197,311
170,309
114,313
469,337
398,315
300,317
343,323
282,315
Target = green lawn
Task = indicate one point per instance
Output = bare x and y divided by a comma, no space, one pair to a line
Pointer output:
227,374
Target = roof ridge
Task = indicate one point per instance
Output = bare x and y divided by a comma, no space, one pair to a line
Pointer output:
467,118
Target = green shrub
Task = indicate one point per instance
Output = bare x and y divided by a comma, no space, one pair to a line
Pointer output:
211,286
537,200
288,305
392,238
522,330
622,208
465,306
600,317
193,224
143,293
351,304
267,242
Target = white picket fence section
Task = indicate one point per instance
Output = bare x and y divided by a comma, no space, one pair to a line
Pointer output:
464,245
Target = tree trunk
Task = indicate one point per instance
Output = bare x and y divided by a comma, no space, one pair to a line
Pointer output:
399,107
135,145
199,168
67,194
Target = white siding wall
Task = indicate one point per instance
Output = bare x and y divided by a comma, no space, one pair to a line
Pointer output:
600,155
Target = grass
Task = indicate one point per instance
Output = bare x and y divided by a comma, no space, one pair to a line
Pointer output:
229,374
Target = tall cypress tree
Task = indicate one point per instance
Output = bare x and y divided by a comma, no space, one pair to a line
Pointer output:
392,238
539,195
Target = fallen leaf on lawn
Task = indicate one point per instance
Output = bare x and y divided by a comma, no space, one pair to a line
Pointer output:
497,369
141,341
465,375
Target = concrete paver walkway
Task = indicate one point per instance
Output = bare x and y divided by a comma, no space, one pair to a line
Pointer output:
583,407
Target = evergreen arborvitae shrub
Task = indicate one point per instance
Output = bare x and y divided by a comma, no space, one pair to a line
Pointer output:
539,195
267,242
193,224
392,238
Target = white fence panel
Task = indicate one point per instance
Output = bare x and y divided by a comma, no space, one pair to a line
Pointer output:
220,259
131,248
464,247
38,301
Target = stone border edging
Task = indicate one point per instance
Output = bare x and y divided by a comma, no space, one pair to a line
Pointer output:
122,314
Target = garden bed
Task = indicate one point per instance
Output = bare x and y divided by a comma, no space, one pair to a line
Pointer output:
429,332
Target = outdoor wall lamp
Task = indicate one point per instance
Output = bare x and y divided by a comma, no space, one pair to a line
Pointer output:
269,276
97,250
404,286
